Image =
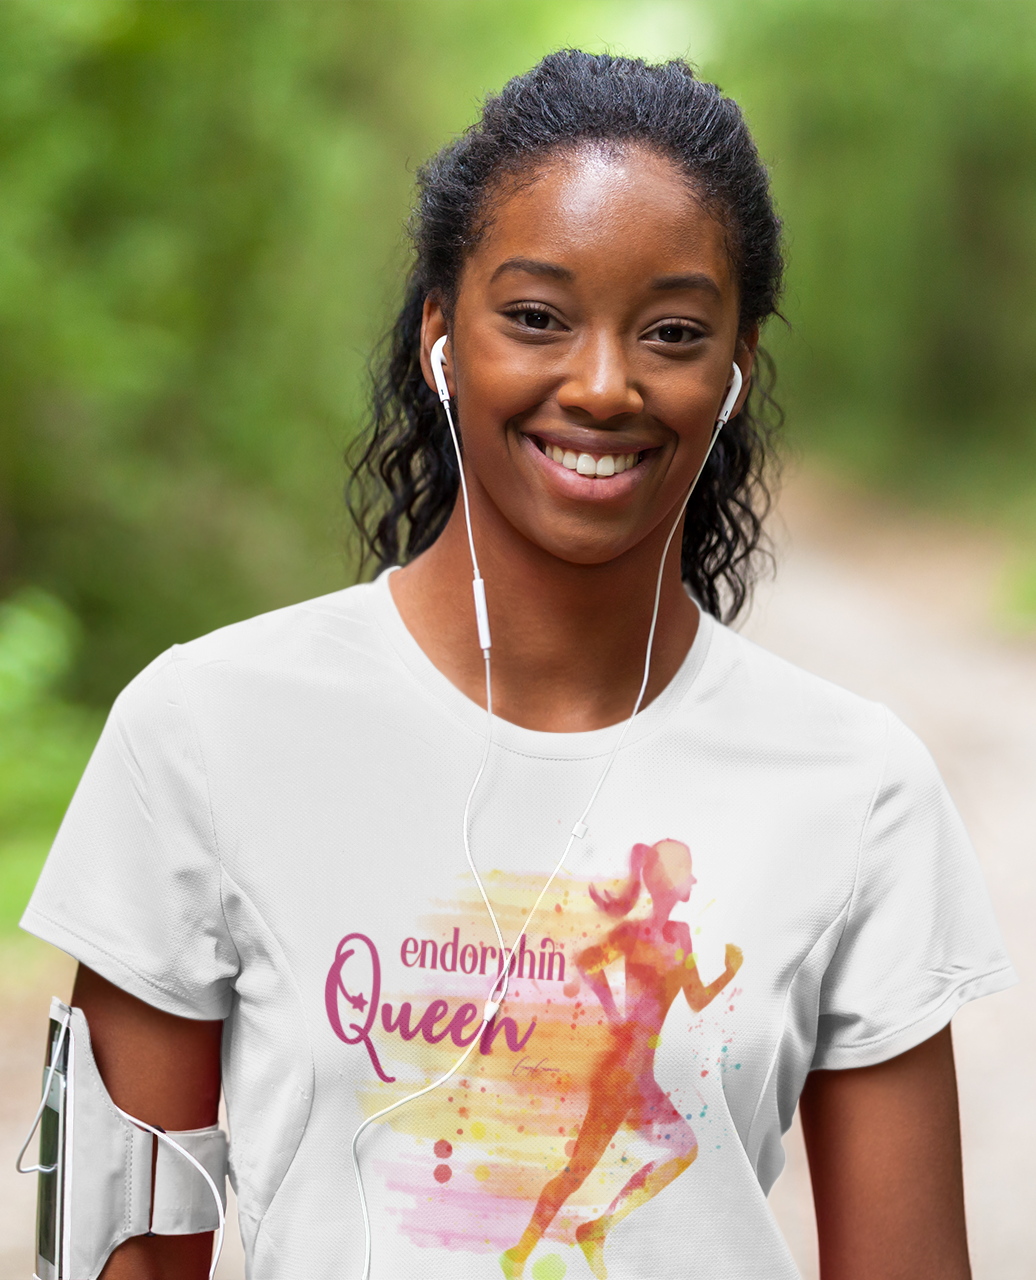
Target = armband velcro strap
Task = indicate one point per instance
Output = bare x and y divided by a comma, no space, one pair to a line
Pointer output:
183,1204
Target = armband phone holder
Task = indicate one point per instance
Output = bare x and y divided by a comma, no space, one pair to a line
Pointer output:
95,1166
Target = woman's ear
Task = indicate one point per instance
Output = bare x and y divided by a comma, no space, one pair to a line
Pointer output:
744,356
434,327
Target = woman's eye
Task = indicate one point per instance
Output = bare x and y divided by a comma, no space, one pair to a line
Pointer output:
534,319
672,333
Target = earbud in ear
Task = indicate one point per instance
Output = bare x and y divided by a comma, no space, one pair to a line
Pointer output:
731,399
437,373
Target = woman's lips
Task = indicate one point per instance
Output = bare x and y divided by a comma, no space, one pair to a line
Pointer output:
583,474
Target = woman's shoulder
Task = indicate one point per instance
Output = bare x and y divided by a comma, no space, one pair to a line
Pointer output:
745,684
324,639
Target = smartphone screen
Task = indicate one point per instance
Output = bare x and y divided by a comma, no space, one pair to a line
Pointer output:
49,1207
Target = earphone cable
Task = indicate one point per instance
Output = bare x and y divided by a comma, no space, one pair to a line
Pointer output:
54,1056
463,488
498,991
487,743
378,1115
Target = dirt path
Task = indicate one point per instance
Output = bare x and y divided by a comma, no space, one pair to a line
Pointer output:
900,609
897,609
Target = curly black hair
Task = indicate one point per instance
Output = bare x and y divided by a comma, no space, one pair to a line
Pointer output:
404,483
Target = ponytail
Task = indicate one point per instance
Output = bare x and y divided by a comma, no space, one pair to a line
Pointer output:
622,903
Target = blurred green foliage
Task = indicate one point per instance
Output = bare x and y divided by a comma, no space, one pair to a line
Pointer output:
904,157
44,741
201,206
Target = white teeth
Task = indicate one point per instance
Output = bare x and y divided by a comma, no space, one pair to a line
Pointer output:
609,464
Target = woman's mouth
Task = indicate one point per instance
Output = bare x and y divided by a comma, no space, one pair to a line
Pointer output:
597,465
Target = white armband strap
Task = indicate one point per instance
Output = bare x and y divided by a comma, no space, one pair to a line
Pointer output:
107,1161
182,1202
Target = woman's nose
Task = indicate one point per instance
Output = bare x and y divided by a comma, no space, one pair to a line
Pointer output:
598,381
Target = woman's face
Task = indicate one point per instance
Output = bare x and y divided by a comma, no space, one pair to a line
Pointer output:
590,351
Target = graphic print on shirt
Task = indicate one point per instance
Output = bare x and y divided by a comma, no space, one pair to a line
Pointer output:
559,1127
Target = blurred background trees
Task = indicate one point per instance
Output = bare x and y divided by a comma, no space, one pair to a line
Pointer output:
201,209
904,155
201,213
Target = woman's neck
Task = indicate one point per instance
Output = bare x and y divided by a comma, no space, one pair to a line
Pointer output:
569,640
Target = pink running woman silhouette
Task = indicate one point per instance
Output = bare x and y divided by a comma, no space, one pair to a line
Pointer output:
659,964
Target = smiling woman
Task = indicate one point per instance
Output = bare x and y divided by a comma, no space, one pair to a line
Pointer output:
593,120
597,318
279,839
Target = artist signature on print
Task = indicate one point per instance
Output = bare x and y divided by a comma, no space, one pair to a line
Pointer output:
522,1067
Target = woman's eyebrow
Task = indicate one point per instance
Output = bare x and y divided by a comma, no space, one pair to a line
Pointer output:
696,280
533,267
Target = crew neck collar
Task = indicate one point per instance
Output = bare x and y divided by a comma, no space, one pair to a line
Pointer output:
587,744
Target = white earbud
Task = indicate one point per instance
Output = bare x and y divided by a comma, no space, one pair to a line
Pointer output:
440,377
728,403
478,586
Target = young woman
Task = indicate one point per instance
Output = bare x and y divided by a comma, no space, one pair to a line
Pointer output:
263,873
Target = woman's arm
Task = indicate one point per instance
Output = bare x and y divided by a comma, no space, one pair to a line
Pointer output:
884,1156
697,994
163,1070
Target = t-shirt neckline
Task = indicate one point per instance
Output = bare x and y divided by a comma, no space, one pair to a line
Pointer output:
586,744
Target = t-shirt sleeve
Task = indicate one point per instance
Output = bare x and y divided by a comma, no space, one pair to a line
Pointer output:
131,886
920,937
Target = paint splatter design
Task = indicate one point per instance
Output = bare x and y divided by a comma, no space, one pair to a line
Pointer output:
560,1130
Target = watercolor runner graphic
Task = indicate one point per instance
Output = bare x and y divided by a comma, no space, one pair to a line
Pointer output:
659,963
560,1130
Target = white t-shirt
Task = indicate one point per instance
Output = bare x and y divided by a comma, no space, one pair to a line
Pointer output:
269,832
